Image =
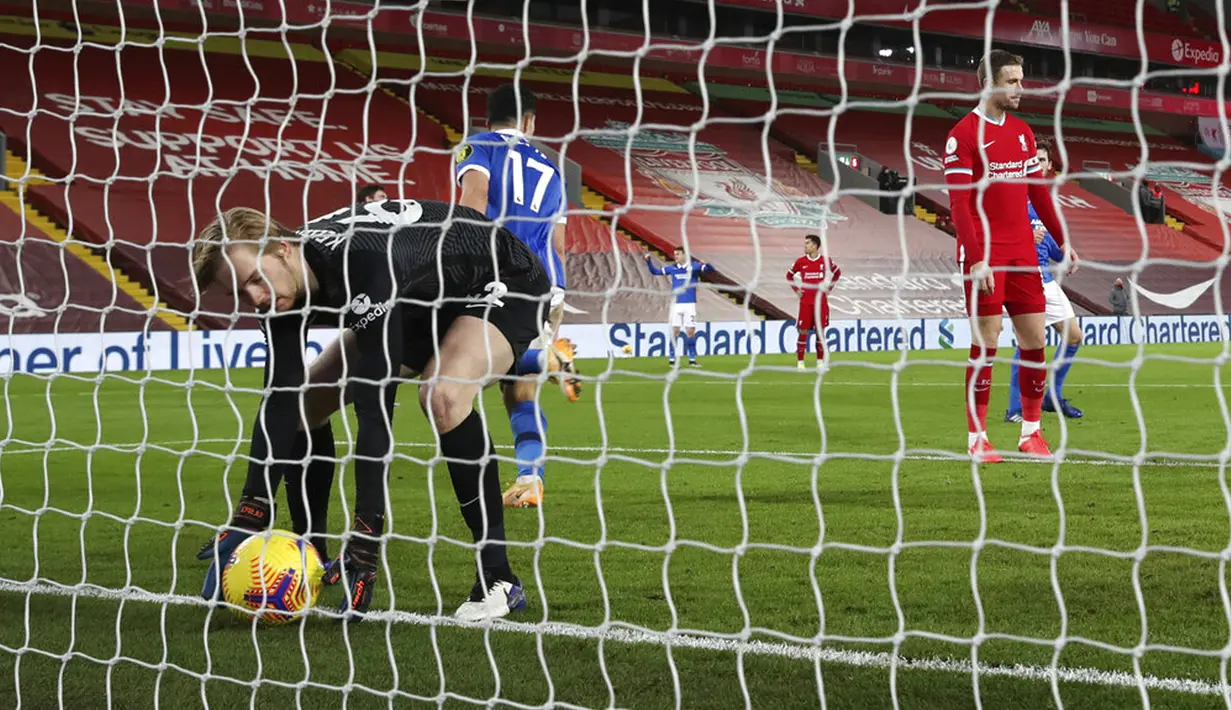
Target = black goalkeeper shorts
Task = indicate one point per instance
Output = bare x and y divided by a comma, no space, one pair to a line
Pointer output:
520,319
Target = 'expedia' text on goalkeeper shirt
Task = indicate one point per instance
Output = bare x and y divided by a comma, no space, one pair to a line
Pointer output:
1006,154
389,271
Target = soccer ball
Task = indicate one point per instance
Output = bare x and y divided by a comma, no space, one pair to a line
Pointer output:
628,350
275,575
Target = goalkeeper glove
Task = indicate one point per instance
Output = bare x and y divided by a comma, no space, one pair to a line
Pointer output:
356,567
250,517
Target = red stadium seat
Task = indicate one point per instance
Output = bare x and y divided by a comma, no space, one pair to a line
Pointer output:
739,173
148,177
44,288
1101,231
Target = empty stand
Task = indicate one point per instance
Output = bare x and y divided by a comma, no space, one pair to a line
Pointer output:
1101,231
734,171
608,278
44,288
1183,169
147,178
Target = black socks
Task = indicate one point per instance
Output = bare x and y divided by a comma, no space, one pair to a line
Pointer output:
312,484
477,486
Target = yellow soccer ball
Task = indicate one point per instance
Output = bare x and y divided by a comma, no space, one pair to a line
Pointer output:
628,350
275,575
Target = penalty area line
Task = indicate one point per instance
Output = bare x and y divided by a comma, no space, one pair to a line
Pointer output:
619,634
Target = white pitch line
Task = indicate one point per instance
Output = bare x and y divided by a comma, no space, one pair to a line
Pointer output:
1155,459
727,380
862,659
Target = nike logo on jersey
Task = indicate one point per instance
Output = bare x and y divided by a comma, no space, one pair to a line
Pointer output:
988,145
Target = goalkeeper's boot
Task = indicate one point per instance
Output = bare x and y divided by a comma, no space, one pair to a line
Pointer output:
982,452
251,516
1035,446
562,364
498,599
526,492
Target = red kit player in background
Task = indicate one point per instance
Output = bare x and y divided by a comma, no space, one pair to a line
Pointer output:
999,261
812,276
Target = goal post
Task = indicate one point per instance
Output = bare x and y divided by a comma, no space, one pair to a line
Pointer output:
738,533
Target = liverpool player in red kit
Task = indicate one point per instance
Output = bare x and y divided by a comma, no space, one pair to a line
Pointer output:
812,276
996,249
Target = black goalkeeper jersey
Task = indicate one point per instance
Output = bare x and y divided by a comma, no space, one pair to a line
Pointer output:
376,264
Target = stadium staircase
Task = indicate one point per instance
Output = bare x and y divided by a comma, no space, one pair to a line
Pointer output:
20,175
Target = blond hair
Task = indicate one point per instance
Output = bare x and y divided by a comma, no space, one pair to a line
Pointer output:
997,59
238,226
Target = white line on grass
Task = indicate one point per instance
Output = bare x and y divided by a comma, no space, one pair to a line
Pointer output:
619,634
1152,459
720,380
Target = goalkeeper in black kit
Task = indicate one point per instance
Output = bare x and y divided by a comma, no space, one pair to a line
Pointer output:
417,288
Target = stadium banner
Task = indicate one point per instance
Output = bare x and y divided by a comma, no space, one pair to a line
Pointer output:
1016,27
406,22
1008,26
48,353
564,39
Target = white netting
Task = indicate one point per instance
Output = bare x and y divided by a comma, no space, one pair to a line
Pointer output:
741,535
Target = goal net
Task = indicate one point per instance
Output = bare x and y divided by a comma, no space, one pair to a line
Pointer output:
738,533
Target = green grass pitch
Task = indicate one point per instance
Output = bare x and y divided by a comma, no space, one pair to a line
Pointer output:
715,506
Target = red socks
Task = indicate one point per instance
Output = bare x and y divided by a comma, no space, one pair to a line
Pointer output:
981,375
801,346
1032,383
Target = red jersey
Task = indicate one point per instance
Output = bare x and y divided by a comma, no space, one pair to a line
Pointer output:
1008,156
812,273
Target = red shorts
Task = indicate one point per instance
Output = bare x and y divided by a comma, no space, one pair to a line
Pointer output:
1016,291
809,315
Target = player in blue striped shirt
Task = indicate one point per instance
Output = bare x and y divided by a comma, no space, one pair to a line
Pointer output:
505,177
684,276
1059,315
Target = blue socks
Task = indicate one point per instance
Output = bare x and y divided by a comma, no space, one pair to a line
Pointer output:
690,347
527,421
531,362
1015,393
1067,352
